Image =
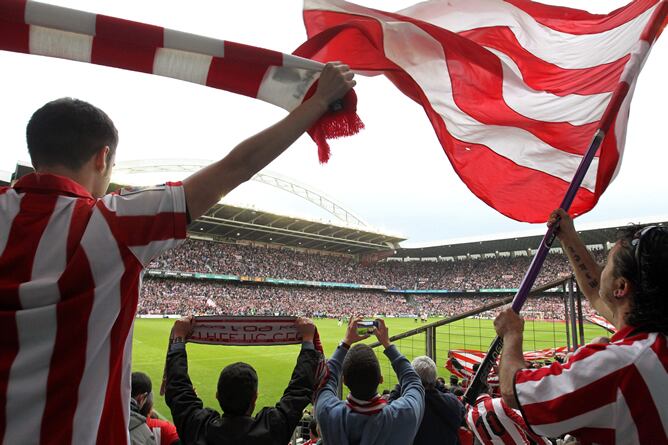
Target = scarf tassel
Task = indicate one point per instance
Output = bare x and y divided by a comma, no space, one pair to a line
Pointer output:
335,124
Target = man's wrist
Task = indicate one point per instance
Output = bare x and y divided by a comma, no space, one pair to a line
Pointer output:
177,339
386,344
320,105
345,344
513,336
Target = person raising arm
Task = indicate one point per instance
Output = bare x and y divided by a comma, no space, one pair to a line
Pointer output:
207,186
587,270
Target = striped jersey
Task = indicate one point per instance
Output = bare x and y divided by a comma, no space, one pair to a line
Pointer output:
70,272
613,393
495,423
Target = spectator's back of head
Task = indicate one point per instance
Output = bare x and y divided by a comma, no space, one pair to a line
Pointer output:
361,372
142,392
69,132
426,369
237,389
141,384
454,380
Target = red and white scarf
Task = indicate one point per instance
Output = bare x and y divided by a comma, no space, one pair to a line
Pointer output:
246,331
366,407
281,79
253,331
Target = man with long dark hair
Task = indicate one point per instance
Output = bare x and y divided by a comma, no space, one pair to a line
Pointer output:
607,393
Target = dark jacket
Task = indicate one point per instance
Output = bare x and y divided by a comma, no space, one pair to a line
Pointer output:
443,415
198,425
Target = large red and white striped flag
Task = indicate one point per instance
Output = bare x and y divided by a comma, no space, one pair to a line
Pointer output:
515,90
284,80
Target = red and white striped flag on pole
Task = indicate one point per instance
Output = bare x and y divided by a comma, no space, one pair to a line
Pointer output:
281,79
515,90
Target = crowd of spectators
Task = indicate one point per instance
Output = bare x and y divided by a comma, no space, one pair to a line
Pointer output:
160,296
539,308
287,263
171,296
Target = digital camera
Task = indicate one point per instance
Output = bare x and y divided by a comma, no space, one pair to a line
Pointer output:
365,327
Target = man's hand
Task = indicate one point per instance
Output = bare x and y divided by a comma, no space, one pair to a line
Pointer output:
508,323
351,333
306,328
335,81
566,229
382,333
182,328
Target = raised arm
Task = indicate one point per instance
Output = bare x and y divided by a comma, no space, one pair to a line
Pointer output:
510,327
285,416
206,187
188,413
587,270
410,406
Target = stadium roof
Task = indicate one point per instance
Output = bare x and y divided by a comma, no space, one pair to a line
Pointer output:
591,234
225,222
349,234
276,180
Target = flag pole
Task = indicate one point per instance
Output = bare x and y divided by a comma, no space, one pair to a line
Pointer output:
480,379
640,51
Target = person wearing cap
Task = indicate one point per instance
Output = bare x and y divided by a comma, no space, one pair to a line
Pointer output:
607,393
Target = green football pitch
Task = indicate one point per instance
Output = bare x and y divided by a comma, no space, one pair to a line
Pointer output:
274,364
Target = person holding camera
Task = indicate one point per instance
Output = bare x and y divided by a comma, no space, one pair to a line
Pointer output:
365,418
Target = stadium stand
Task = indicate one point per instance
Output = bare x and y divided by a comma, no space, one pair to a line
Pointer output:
254,246
162,296
287,263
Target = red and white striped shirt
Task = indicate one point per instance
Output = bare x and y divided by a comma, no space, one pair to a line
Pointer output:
70,272
495,423
613,393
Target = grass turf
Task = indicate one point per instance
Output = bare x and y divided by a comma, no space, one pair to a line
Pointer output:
274,364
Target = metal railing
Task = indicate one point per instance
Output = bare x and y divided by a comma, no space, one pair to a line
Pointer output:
473,330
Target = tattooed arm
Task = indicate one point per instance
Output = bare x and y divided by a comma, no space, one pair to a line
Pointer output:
587,270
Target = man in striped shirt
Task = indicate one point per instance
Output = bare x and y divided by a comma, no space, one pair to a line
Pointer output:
613,393
71,259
